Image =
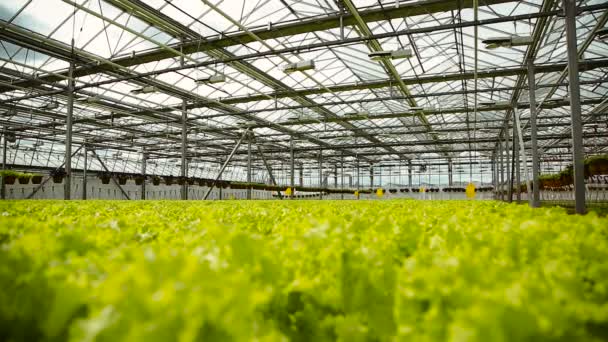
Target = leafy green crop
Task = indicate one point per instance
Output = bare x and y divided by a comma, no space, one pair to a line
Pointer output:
300,270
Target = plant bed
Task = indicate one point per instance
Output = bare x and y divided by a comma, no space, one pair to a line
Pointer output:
122,180
24,178
105,177
36,179
58,175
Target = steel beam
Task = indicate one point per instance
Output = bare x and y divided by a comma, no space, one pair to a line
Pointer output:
522,148
575,107
84,170
320,173
67,186
534,192
184,151
144,164
3,181
292,175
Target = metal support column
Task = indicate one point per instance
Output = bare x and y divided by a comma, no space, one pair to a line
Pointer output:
516,165
84,171
450,173
320,173
184,187
409,173
342,174
3,185
144,163
501,168
301,182
335,176
292,168
358,174
522,149
534,193
508,163
249,166
67,186
575,107
493,169
371,176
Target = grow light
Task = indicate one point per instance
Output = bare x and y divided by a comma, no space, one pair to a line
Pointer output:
144,90
496,42
395,54
217,78
602,34
50,105
299,66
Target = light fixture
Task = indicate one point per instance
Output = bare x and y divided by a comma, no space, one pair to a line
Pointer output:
394,54
144,90
88,99
299,66
217,78
487,103
50,105
246,123
417,109
602,34
496,42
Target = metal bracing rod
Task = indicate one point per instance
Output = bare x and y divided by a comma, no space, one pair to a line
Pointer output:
522,148
236,146
84,171
575,107
144,164
67,192
124,193
48,178
269,169
184,150
534,192
3,181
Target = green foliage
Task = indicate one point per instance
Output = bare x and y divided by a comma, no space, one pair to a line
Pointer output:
9,173
394,270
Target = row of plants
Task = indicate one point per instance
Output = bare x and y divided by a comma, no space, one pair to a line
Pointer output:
397,270
11,176
563,181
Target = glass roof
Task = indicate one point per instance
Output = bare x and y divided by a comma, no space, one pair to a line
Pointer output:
140,66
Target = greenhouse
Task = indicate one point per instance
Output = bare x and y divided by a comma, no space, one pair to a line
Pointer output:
304,170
